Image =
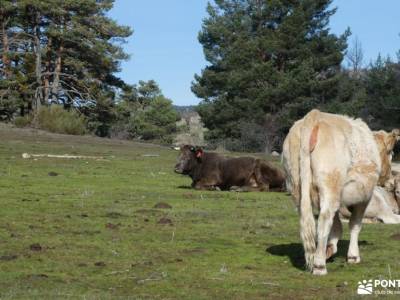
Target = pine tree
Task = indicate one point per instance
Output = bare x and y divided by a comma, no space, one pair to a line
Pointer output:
268,59
382,84
143,112
64,51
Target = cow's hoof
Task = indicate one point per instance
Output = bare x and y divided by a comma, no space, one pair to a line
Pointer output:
319,270
353,259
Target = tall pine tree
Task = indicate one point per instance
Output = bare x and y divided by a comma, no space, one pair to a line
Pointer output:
59,51
270,61
382,85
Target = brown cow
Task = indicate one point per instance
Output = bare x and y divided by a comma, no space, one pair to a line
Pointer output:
212,171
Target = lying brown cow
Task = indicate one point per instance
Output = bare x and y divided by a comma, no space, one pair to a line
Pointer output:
212,171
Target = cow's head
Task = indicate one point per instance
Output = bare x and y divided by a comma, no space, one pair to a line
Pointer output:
386,142
188,159
397,189
392,186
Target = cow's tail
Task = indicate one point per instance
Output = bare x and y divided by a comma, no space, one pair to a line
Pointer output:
308,140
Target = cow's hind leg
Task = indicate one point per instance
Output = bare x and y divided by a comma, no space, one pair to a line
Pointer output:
328,202
260,181
357,213
334,236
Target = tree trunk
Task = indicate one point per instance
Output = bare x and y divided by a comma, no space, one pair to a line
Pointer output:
29,108
57,71
47,71
38,63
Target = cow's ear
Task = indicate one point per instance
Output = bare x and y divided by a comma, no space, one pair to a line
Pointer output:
199,153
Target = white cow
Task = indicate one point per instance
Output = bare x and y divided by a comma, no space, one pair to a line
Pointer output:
396,189
396,167
332,160
393,186
382,207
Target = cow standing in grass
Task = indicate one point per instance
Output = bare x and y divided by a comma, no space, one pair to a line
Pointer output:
210,171
332,160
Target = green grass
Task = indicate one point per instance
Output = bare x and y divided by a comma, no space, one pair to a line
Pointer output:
100,238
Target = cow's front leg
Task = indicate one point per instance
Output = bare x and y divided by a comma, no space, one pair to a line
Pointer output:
205,186
236,188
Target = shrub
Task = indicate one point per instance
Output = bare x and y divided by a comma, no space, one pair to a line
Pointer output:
56,119
119,130
251,137
155,122
23,121
100,116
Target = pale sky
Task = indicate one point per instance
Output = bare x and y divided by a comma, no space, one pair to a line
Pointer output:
164,45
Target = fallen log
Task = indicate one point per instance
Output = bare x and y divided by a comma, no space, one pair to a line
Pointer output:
67,156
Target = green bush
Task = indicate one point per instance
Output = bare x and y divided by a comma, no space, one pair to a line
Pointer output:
23,121
56,119
155,122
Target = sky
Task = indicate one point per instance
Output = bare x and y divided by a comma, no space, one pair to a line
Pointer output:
164,44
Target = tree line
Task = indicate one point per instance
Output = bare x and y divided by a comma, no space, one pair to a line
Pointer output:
66,53
271,61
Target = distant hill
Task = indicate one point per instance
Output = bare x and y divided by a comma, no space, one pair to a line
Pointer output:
185,109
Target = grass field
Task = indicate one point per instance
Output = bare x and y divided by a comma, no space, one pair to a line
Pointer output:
91,229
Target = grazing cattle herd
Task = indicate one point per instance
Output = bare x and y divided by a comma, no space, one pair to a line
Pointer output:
335,168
